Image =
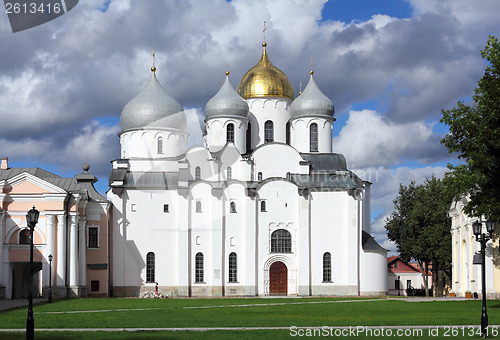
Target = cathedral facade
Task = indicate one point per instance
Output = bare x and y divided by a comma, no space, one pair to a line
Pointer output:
262,208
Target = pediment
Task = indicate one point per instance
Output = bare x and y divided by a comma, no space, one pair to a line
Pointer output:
26,183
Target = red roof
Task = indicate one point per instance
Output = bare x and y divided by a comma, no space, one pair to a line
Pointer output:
396,265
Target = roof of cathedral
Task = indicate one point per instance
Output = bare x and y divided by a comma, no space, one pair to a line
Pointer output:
265,80
312,102
369,244
79,182
153,108
226,103
325,161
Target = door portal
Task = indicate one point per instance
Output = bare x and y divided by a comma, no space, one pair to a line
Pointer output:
278,274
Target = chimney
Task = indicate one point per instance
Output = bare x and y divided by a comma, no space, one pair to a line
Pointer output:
5,163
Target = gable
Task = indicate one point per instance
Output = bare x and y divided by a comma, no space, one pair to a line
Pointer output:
26,183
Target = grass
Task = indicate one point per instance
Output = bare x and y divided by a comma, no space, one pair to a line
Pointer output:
248,312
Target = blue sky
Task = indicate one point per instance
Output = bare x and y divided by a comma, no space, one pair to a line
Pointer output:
388,66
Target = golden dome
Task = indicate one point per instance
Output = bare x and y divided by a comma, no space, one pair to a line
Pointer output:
265,80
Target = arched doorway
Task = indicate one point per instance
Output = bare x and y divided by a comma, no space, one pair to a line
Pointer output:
278,275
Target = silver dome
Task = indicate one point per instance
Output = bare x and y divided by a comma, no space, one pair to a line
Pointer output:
226,103
312,102
153,108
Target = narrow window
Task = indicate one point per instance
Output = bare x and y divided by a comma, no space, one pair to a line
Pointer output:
249,137
198,206
93,237
327,267
150,267
198,240
288,133
160,145
263,206
165,208
232,207
230,133
288,176
197,173
268,132
199,267
313,137
233,267
259,176
408,284
281,241
94,285
24,236
229,173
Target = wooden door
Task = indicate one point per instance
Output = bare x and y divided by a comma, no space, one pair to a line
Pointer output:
278,274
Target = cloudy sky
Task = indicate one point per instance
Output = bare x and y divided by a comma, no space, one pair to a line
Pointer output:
389,67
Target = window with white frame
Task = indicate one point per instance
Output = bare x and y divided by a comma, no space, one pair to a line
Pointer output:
232,207
150,267
230,133
281,241
160,145
327,267
229,173
199,270
233,267
313,137
198,206
268,131
197,173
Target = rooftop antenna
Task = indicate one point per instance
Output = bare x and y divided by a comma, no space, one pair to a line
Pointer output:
264,31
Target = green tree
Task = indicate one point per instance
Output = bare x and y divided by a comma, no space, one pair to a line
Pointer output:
420,227
475,135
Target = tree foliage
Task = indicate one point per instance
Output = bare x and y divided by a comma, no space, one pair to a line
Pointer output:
475,135
420,226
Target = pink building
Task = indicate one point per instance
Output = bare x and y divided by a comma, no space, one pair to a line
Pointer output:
72,227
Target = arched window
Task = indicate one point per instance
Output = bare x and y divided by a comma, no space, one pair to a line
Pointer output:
288,133
268,132
150,267
160,145
233,268
327,267
313,137
232,207
230,133
263,206
259,176
281,241
229,173
249,137
288,176
197,173
24,236
198,267
198,206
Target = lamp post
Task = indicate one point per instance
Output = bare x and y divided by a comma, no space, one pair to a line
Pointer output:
31,220
50,277
483,239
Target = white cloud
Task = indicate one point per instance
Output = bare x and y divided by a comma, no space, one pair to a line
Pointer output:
369,139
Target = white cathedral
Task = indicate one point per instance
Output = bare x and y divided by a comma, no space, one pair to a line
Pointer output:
263,208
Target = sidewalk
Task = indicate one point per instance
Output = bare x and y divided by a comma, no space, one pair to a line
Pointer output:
17,303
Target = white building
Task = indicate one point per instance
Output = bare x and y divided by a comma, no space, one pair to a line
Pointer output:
263,208
466,276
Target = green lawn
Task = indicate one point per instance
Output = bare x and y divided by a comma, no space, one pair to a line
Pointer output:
250,312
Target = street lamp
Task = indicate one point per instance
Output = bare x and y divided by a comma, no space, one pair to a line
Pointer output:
483,239
50,277
31,220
